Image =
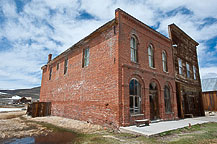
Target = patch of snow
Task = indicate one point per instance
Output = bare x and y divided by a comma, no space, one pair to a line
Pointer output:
2,93
10,109
16,97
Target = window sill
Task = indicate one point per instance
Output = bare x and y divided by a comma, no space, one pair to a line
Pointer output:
134,115
85,66
152,68
166,71
134,62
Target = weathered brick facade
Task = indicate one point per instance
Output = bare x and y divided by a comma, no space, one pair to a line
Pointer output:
99,92
188,83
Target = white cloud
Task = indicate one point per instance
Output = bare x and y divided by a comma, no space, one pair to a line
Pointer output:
47,26
203,9
208,72
8,8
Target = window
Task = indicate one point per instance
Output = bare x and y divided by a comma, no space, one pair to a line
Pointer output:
58,65
86,57
167,100
65,65
151,56
135,96
188,70
133,49
180,66
195,74
50,74
164,59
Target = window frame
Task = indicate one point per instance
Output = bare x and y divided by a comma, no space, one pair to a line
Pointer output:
151,56
58,65
50,73
167,100
86,57
194,72
188,73
164,61
65,65
180,66
133,49
135,97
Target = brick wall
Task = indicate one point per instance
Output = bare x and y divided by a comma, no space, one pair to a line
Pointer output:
141,71
86,93
99,93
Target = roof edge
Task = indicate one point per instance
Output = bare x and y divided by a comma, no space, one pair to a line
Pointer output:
146,26
174,25
94,33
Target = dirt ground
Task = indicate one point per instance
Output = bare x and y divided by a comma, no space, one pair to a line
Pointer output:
18,125
12,125
79,126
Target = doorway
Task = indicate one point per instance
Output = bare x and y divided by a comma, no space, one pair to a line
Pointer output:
153,96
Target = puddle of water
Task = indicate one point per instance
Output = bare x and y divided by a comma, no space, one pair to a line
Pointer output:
52,138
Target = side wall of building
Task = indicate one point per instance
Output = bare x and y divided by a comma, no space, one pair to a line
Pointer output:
141,71
86,93
210,100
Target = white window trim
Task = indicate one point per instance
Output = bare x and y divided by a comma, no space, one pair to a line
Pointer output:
138,108
195,72
151,56
133,50
164,61
180,66
86,57
188,73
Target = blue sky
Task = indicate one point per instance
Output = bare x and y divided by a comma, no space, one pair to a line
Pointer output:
31,29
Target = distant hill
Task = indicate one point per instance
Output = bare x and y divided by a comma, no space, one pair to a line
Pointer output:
33,92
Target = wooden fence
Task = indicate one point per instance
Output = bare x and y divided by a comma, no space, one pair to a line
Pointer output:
39,109
210,101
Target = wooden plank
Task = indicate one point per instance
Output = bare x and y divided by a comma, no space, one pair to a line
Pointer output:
210,101
38,109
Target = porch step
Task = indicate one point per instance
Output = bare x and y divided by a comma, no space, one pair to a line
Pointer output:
142,122
156,121
189,116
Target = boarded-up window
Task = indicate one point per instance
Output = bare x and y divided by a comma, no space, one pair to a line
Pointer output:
65,65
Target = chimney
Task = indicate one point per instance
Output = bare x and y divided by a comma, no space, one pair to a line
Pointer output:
49,58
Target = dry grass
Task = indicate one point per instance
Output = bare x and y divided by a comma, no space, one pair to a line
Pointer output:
10,115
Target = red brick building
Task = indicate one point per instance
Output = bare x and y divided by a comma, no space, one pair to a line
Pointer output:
121,72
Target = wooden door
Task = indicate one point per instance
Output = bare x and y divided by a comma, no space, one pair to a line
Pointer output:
154,109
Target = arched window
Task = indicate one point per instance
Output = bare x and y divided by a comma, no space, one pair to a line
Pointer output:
133,49
167,99
151,56
164,60
135,96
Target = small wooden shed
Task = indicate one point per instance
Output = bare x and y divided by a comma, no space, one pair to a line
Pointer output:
209,88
